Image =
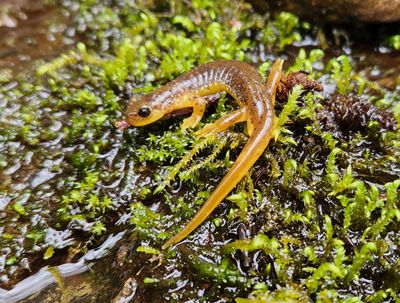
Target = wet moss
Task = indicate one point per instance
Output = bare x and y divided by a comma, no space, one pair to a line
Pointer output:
394,42
317,218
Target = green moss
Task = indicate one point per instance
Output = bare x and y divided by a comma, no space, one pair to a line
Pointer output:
146,221
20,209
117,69
389,211
289,109
290,293
83,159
221,273
394,42
359,259
98,228
164,147
6,75
341,73
304,62
148,250
317,212
48,253
282,31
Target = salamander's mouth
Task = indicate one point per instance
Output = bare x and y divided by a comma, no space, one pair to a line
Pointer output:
121,125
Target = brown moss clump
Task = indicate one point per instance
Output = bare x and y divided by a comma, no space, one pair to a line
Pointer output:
296,78
352,113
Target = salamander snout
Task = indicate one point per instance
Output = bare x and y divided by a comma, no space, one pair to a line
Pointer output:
141,112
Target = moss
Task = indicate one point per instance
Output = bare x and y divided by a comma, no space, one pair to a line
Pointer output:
20,209
394,42
288,109
221,273
164,148
146,221
282,31
5,75
315,218
341,73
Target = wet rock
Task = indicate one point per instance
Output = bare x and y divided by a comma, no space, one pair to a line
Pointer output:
338,11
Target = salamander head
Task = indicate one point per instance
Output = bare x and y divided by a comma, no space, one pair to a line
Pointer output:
142,111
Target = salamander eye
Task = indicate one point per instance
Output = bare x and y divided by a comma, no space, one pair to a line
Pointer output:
144,112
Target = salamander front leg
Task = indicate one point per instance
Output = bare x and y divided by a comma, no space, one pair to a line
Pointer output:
223,123
199,106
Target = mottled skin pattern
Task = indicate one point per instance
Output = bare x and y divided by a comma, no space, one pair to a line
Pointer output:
256,100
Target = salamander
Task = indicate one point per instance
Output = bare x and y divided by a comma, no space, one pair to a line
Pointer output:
256,108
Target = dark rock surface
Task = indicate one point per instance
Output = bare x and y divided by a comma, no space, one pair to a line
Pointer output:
338,11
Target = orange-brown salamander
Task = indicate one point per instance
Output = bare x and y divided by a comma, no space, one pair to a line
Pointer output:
240,80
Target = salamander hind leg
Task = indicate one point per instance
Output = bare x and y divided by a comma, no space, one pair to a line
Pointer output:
223,123
274,78
199,106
